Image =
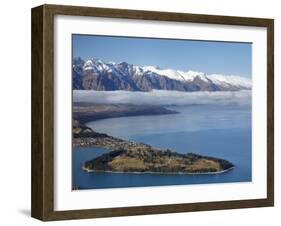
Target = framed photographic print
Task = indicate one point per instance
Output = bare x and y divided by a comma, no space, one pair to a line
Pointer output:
141,112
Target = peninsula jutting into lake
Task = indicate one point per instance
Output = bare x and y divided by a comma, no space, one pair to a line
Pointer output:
132,157
160,112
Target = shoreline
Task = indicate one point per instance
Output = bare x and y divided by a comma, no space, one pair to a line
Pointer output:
163,173
153,160
85,112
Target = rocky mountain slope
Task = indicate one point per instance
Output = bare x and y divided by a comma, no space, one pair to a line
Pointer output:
95,74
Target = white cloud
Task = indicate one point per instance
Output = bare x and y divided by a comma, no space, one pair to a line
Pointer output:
162,97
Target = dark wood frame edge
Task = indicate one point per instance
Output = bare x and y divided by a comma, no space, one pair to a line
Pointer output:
42,194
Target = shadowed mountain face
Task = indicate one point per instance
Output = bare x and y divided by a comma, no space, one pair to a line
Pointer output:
96,75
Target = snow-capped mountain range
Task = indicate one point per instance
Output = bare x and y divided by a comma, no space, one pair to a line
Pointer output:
95,74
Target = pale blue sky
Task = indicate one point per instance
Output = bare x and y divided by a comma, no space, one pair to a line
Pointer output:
206,56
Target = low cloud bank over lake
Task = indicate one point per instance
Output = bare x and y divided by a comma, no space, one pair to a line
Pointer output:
162,97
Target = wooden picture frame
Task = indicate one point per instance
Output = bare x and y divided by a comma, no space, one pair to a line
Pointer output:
43,112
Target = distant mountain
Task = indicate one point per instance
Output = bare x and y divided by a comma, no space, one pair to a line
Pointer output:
95,74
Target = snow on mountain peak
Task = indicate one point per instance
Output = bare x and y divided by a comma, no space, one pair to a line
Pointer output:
88,65
95,65
112,63
123,68
191,75
231,80
170,73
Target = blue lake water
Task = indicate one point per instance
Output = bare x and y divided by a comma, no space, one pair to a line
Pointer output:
212,130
